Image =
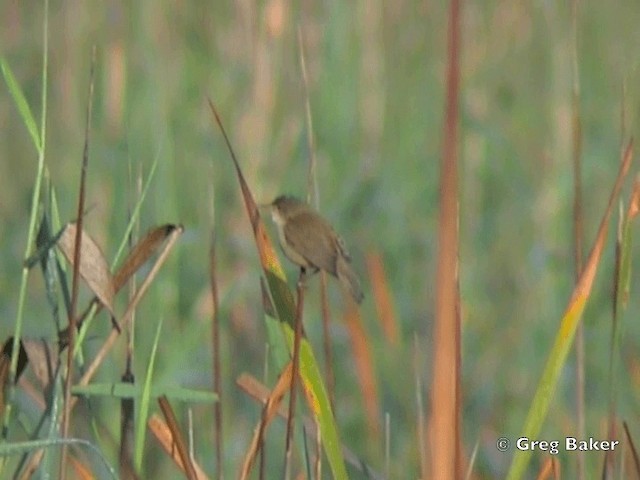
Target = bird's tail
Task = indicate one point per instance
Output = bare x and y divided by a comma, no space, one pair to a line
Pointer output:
348,279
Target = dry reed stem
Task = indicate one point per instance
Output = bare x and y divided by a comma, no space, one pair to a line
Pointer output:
66,412
161,432
177,437
445,387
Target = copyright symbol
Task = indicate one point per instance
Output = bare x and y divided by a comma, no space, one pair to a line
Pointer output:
502,444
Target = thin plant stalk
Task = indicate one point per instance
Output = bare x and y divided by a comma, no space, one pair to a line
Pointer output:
294,374
217,381
578,236
313,198
75,285
35,202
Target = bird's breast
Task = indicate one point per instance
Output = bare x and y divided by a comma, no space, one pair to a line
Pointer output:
290,252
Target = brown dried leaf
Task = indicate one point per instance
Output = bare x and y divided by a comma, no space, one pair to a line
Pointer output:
143,250
43,358
94,268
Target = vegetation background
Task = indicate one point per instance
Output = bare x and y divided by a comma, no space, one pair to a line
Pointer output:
376,77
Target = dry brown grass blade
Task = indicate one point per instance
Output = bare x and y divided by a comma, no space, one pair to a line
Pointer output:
446,459
382,297
141,253
582,289
93,267
255,389
161,432
269,411
178,439
364,366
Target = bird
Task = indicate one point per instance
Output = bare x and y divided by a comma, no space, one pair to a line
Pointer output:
309,241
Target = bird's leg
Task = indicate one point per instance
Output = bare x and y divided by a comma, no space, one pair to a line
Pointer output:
302,278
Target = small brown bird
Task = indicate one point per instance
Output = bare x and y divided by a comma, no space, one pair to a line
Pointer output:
309,241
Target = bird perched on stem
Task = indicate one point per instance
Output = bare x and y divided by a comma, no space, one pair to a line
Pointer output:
310,242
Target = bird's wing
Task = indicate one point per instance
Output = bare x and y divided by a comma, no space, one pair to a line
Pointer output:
307,234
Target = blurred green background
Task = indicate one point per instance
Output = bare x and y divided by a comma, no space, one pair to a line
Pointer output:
376,81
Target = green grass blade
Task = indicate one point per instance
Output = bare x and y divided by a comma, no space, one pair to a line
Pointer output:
278,349
129,390
21,103
313,383
622,297
626,254
141,423
547,385
20,448
566,332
